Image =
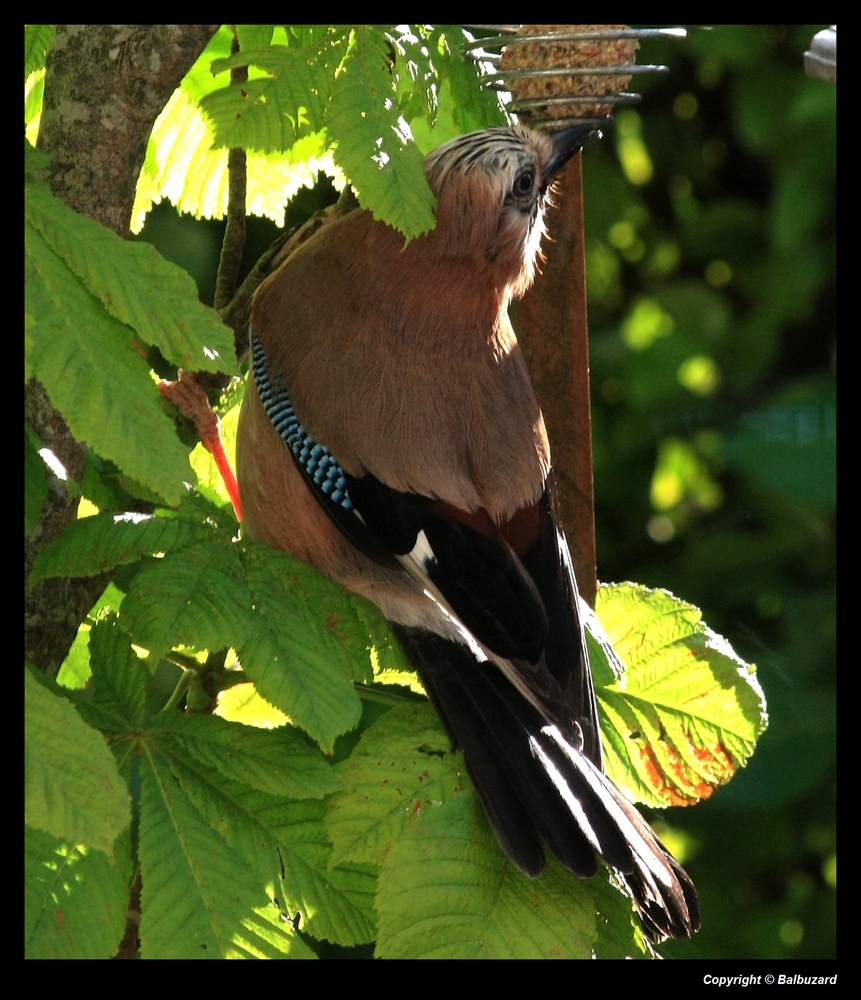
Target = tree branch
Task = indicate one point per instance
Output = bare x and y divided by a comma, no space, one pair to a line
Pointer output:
104,87
234,230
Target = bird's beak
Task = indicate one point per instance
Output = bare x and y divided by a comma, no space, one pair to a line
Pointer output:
566,143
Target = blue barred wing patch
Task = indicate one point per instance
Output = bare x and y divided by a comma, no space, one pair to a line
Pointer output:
315,459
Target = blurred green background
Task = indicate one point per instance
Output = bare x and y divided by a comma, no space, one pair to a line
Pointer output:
710,218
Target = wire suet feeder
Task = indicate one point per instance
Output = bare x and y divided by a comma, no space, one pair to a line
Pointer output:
561,75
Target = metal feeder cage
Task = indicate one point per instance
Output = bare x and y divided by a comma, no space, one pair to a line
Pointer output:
548,110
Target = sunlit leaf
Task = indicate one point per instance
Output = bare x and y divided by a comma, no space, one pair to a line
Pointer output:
687,712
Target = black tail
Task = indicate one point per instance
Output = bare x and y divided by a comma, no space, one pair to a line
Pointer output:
538,789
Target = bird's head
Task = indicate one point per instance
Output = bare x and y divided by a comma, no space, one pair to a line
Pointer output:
492,187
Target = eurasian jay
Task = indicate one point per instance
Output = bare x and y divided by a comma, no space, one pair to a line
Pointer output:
390,436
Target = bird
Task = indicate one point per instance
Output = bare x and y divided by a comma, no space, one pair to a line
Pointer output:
390,436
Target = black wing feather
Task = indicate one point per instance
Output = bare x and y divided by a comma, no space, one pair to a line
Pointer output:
549,564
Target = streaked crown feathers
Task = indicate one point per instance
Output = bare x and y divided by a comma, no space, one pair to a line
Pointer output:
491,188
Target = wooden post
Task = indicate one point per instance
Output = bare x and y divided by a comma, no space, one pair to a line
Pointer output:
552,328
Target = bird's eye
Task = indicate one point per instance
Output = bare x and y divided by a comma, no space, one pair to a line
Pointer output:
523,184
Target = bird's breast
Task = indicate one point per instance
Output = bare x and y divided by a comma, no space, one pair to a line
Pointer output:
403,364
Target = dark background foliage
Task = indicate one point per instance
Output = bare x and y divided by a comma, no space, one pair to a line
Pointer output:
710,216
